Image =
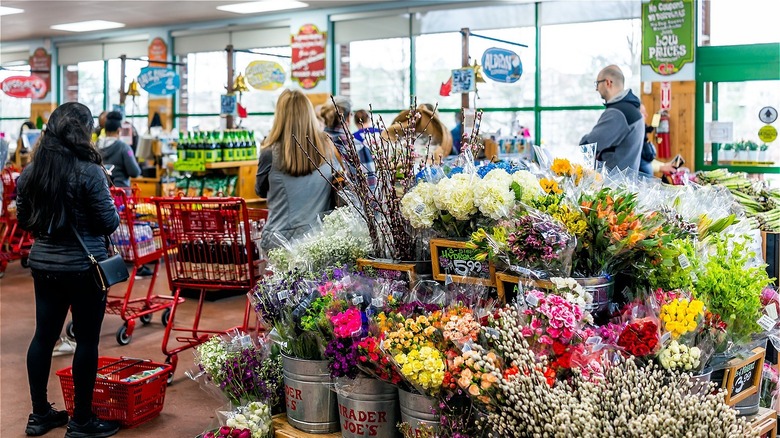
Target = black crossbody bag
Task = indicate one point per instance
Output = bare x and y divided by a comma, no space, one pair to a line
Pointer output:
109,271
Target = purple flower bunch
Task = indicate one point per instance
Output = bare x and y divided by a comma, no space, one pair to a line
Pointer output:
272,295
342,354
252,375
539,241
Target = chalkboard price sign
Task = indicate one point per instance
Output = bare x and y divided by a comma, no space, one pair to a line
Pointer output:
462,264
743,377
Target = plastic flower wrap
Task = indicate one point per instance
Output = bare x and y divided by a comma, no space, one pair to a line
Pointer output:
769,386
255,416
418,205
493,195
564,212
680,316
641,334
342,238
240,370
530,242
456,196
677,356
621,239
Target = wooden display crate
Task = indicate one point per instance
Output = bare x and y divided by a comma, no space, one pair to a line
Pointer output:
764,423
387,269
506,284
455,259
282,429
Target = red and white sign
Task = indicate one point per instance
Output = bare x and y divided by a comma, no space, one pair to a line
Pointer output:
40,65
32,87
666,96
308,56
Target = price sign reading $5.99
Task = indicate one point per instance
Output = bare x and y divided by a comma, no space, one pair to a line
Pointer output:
467,268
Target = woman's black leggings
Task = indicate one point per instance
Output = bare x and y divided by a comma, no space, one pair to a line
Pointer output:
55,292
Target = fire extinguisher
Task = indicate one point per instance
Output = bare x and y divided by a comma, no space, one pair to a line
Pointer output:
663,142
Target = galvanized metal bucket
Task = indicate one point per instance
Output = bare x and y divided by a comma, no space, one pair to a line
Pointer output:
368,408
701,383
602,289
311,405
418,411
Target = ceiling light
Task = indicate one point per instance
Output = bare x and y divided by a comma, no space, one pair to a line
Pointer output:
262,6
88,26
5,10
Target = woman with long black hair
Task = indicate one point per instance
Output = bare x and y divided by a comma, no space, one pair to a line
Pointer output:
64,191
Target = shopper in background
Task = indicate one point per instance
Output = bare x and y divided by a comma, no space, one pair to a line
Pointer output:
366,128
333,112
648,148
457,133
620,131
65,187
117,153
291,171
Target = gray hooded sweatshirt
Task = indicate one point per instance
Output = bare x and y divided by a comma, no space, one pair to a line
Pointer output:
118,153
619,133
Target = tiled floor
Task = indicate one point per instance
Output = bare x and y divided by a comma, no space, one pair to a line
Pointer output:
188,409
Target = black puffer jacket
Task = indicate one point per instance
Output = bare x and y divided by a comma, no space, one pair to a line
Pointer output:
90,208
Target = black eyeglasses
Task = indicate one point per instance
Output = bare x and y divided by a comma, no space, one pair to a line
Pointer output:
598,82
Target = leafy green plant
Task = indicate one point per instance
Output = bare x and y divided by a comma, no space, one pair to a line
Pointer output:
731,288
676,271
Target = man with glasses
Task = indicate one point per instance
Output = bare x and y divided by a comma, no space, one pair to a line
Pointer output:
620,131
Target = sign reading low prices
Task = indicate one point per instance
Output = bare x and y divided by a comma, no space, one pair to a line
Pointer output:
308,56
159,81
667,35
31,87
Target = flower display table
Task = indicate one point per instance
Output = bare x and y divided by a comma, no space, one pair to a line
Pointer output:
283,430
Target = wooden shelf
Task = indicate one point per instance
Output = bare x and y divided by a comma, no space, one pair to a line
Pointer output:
230,164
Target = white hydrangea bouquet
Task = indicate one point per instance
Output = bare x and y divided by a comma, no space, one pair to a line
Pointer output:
457,205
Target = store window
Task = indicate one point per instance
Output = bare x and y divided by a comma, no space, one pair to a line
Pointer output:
256,101
376,73
438,54
84,84
136,108
573,55
13,110
566,128
743,22
203,82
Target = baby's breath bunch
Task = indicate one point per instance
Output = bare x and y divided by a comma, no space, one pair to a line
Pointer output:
630,401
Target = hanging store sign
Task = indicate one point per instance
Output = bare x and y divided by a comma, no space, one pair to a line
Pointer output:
502,65
308,56
40,65
158,51
29,87
159,81
464,80
265,75
667,35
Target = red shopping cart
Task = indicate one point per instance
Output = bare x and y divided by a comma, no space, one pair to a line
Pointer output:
138,240
208,246
15,243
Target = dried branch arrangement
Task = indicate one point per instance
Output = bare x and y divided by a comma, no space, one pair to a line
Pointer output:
395,170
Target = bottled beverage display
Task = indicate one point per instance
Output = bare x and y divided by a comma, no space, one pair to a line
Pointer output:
216,146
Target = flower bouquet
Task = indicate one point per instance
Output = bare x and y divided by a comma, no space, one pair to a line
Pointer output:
240,370
455,206
530,242
252,420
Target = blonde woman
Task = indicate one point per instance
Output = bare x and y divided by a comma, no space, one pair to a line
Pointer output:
295,189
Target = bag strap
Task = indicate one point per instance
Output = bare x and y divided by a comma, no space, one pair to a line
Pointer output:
83,245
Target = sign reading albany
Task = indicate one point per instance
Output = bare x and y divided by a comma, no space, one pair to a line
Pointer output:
668,39
308,56
502,65
31,87
159,81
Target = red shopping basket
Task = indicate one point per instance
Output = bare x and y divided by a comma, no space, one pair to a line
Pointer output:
130,391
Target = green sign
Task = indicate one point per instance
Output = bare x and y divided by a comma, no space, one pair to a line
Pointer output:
668,37
190,166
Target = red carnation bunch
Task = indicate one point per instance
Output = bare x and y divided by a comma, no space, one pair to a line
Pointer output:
639,337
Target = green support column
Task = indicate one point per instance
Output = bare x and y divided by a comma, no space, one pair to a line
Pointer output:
538,78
